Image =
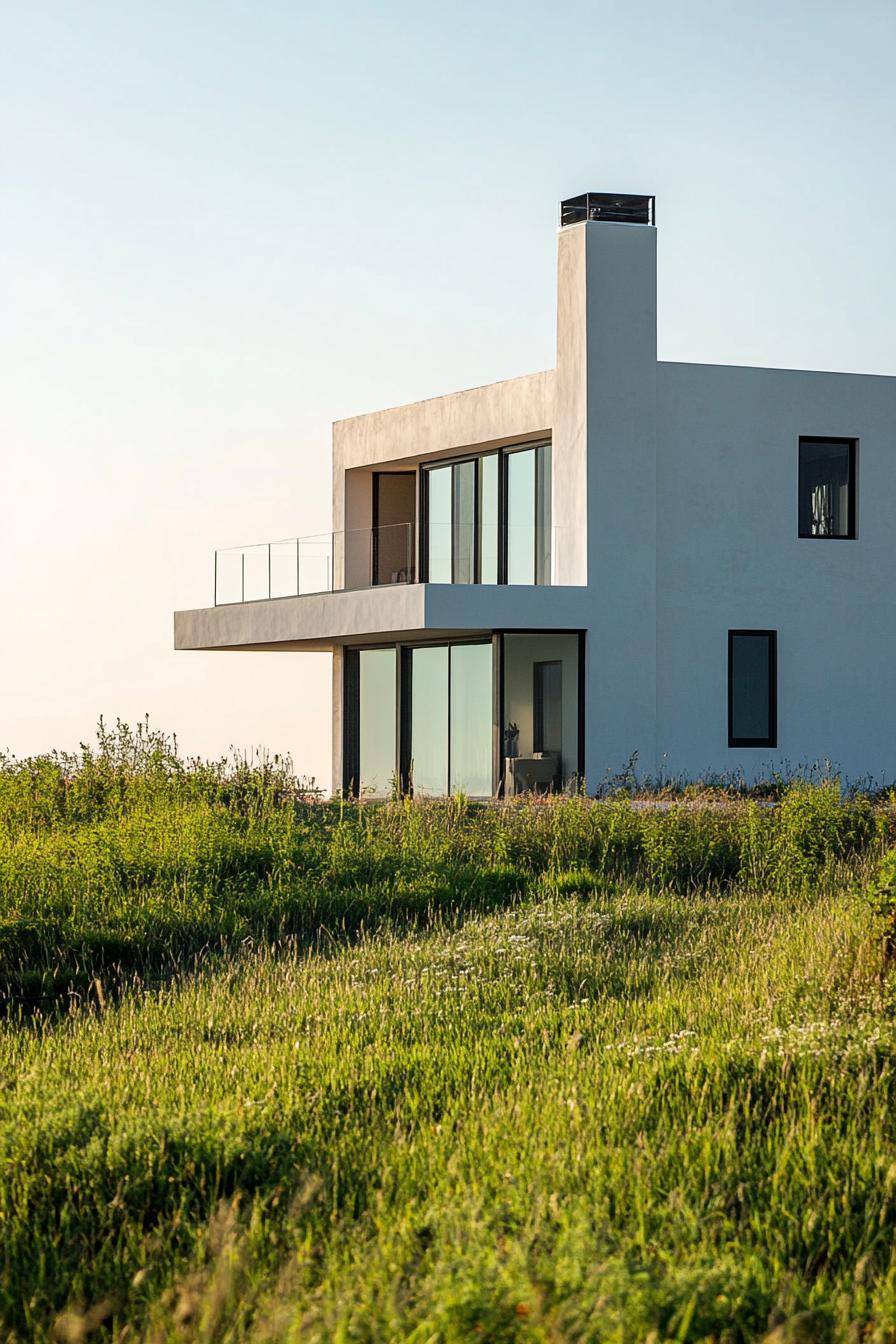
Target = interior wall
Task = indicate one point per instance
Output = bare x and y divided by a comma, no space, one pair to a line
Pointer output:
354,551
396,513
521,653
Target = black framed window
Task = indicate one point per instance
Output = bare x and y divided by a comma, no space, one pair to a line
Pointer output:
436,717
527,515
752,688
370,738
449,691
487,519
827,488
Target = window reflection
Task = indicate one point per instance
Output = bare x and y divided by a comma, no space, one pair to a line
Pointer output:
471,537
376,719
826,488
429,720
439,529
464,523
451,719
470,754
488,515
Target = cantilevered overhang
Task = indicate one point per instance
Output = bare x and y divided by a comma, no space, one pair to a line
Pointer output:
323,621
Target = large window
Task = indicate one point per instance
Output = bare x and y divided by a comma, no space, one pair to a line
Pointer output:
752,688
450,745
465,716
454,529
488,518
827,488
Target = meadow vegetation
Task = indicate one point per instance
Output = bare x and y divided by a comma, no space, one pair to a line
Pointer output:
276,1068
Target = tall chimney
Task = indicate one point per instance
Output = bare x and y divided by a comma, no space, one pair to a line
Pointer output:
605,460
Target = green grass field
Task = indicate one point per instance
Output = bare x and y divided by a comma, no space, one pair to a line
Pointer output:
272,1069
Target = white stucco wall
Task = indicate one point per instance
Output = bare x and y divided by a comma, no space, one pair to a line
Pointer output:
728,557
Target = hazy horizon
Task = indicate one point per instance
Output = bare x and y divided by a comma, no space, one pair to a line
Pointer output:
225,227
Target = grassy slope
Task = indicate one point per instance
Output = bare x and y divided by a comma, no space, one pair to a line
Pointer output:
589,1117
552,1072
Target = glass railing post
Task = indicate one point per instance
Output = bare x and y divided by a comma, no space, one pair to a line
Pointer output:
298,574
216,578
243,576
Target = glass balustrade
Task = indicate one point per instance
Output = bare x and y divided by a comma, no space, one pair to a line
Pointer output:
319,564
455,552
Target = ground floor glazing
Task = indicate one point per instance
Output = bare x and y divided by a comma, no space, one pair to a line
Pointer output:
487,716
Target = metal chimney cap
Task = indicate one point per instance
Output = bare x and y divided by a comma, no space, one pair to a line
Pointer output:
608,207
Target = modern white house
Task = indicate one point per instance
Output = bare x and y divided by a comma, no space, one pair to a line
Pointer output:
529,583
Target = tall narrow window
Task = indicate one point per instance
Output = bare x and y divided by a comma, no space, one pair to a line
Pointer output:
521,517
827,488
752,688
488,519
543,521
470,754
529,515
429,720
439,530
463,522
376,720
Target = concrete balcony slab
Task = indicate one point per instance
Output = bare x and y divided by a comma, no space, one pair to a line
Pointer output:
324,621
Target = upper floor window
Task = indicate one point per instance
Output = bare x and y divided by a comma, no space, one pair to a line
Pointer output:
488,518
827,488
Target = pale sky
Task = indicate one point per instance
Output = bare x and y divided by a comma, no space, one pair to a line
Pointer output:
223,226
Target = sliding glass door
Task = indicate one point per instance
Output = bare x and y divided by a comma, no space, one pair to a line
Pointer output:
470,720
429,720
488,518
450,745
465,716
376,720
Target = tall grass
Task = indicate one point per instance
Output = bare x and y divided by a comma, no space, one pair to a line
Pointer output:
128,859
550,1071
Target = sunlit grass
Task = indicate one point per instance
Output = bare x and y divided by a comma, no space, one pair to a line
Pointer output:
538,1076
